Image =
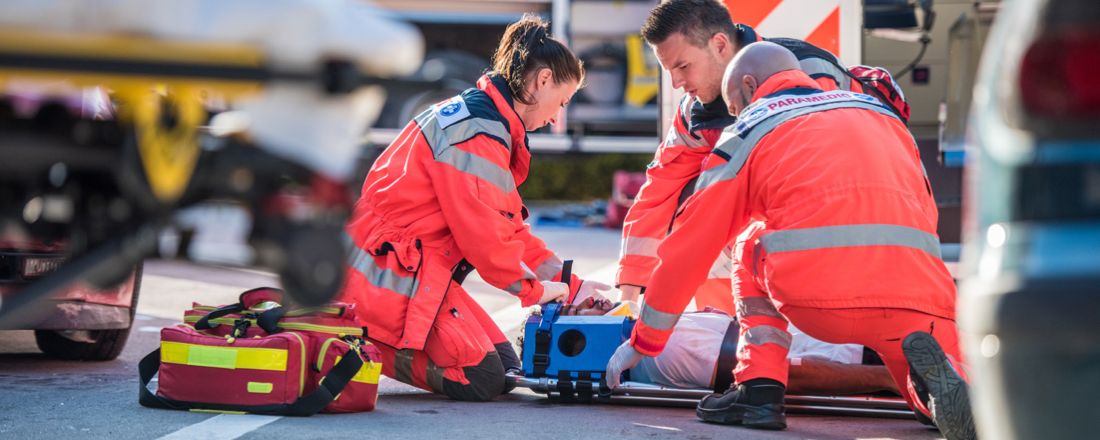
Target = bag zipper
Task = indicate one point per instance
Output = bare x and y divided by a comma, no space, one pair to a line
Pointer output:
352,331
304,364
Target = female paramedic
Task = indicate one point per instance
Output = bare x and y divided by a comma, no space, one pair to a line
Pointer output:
442,201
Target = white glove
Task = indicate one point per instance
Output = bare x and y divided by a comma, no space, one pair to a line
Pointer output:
591,289
625,358
553,291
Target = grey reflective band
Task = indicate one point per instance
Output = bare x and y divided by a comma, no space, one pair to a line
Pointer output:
640,246
765,334
435,377
514,288
460,131
824,237
757,306
814,66
738,148
402,365
443,140
549,269
380,276
528,274
657,319
675,137
481,167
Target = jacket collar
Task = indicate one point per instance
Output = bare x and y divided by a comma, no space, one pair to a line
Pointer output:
494,86
784,81
746,35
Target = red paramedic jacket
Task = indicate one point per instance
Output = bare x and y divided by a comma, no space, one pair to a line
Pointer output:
440,199
695,129
851,220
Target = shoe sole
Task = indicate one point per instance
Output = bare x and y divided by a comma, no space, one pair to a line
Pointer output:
756,417
949,399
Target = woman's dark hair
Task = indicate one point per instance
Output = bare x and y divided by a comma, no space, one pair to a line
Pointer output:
527,47
698,20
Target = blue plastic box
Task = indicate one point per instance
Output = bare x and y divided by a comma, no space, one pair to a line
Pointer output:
578,344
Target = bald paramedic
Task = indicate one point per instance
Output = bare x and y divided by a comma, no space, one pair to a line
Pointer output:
850,254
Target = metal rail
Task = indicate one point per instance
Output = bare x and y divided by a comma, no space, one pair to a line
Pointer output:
649,394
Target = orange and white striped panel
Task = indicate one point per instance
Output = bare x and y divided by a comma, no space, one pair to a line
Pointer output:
833,25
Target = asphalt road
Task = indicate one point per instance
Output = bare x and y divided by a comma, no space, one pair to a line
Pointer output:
44,398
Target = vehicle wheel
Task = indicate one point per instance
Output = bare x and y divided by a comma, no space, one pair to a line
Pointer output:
89,345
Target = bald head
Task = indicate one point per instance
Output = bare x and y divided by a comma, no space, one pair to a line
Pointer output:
752,65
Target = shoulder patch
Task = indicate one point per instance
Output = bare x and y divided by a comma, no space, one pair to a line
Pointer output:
450,111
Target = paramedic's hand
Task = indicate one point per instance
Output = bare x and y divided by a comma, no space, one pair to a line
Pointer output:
592,289
625,358
553,292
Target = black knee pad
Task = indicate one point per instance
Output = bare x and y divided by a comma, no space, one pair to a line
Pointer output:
486,381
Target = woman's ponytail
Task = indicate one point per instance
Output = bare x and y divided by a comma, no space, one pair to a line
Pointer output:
527,47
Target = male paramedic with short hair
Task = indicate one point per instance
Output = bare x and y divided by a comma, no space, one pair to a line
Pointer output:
850,254
694,40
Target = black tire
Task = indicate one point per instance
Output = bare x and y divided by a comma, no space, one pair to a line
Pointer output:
108,343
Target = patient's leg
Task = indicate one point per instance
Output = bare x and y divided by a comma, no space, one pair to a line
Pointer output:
817,376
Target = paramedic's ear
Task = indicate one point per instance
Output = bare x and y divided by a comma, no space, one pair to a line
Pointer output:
748,89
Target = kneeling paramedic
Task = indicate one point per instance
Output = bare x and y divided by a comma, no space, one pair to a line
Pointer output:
441,201
849,255
694,40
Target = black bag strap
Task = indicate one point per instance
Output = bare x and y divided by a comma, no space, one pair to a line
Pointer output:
204,322
549,315
269,319
331,386
727,358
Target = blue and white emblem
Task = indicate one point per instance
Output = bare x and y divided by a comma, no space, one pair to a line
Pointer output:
450,111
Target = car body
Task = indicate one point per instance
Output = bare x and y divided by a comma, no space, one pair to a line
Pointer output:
1029,302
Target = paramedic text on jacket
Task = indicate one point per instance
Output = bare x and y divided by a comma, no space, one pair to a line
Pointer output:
694,41
850,254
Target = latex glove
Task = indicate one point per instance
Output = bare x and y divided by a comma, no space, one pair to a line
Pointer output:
592,289
553,291
625,358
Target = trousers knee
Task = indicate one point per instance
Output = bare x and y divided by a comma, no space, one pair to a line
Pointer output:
486,381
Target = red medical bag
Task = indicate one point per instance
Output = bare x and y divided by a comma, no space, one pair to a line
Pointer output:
256,356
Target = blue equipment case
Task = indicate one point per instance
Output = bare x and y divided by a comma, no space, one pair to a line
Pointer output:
574,347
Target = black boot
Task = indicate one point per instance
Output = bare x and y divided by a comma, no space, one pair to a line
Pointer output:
940,387
757,403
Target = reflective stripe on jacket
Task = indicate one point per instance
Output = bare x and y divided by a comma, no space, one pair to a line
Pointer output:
694,132
837,178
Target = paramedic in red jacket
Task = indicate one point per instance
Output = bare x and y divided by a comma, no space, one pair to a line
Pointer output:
694,40
850,253
442,201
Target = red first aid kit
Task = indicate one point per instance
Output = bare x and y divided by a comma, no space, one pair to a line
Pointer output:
257,356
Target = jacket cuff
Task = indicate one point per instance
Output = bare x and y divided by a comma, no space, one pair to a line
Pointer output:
645,347
633,276
531,296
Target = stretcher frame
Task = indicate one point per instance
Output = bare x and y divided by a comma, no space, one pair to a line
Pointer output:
656,395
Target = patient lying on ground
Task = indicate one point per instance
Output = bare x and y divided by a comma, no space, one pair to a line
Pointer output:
690,360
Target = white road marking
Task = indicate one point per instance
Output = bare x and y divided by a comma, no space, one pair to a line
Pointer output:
222,427
664,428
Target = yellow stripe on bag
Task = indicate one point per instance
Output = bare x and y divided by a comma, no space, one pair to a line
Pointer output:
368,373
251,358
260,387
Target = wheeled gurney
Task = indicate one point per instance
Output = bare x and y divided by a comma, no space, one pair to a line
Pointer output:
565,357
